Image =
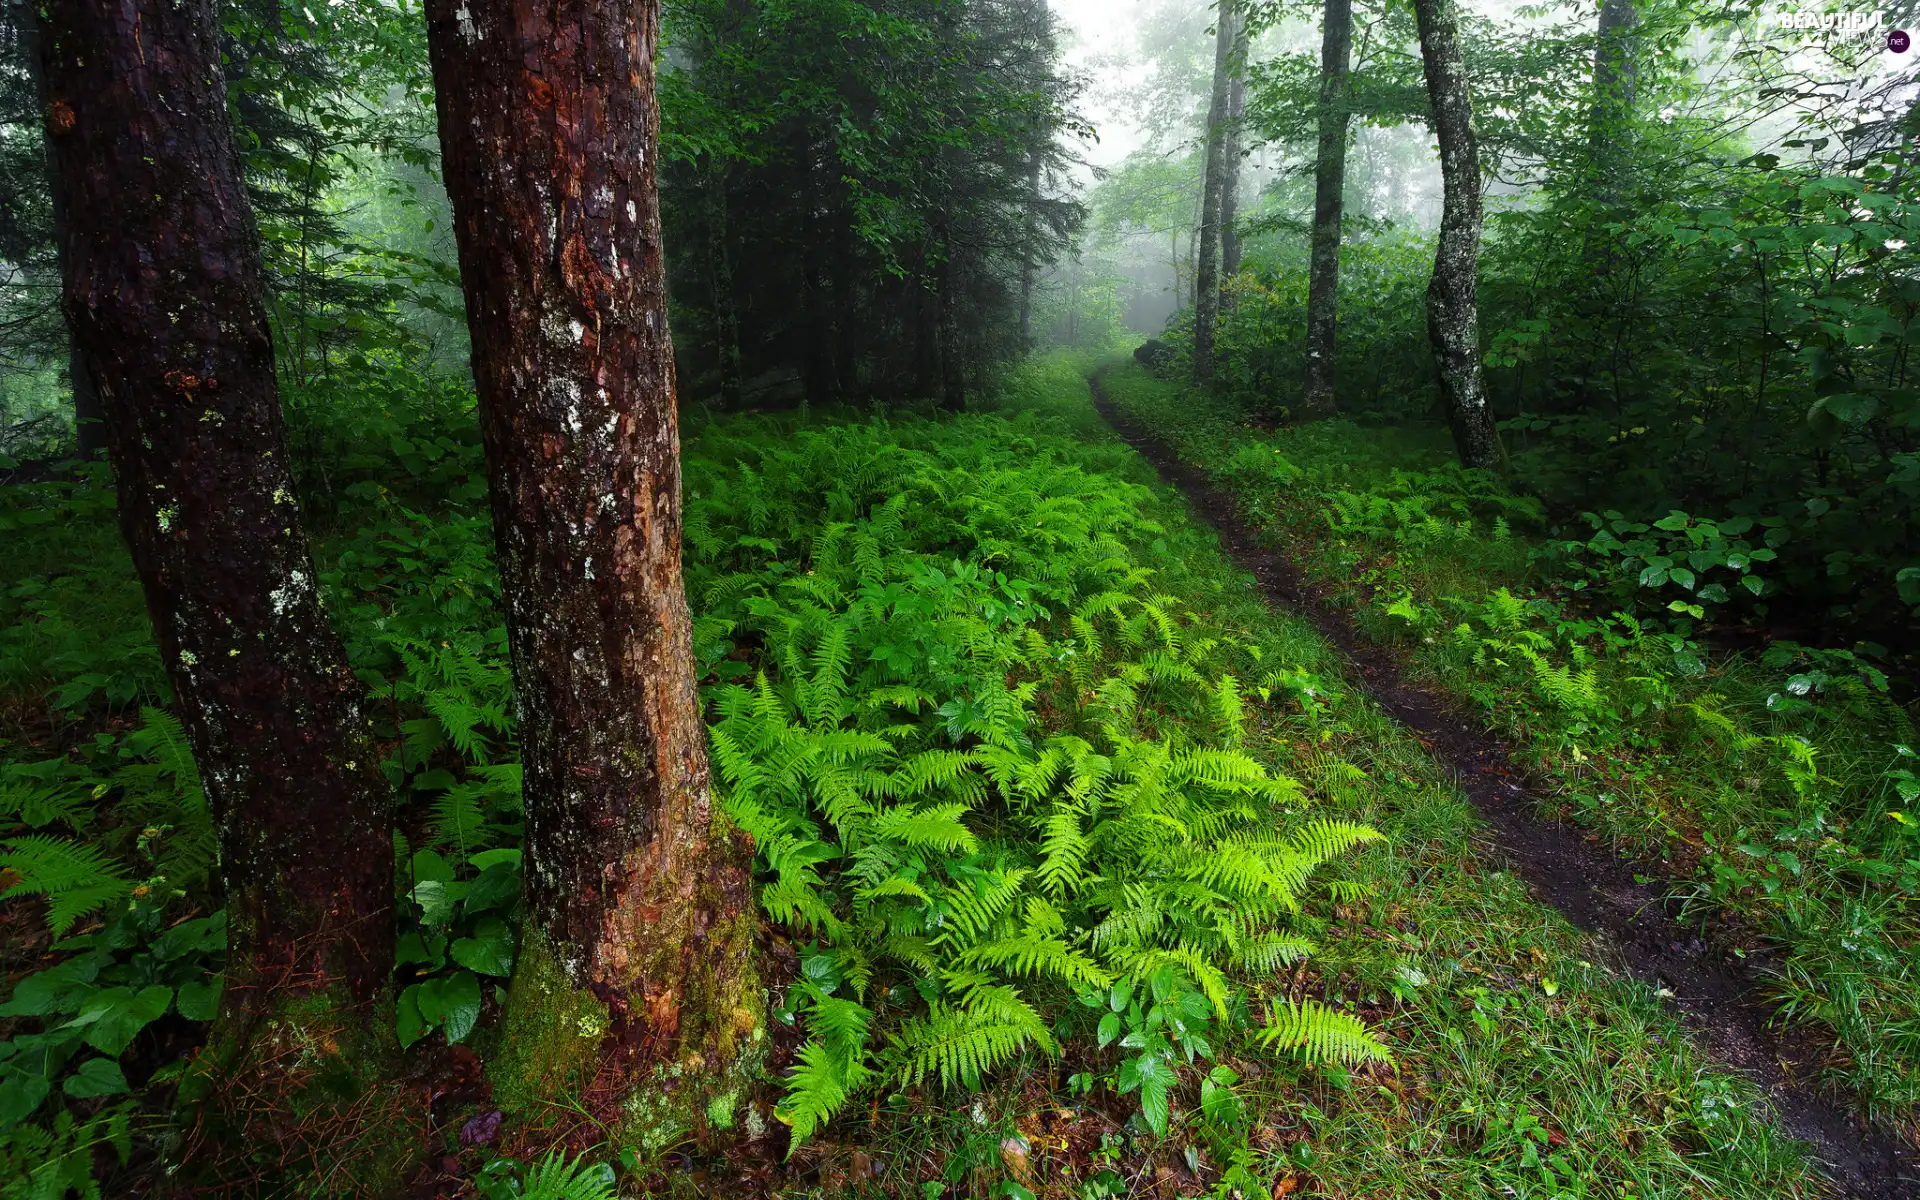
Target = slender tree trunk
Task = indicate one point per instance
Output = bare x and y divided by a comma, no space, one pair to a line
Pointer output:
1609,128
163,294
1615,82
953,385
1329,191
635,995
1030,257
1230,186
1609,142
1453,319
726,309
89,424
820,322
1206,273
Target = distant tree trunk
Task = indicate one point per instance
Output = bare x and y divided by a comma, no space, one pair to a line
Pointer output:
1206,273
953,381
1030,258
1230,186
640,915
1453,319
89,424
1615,80
726,309
163,294
1329,189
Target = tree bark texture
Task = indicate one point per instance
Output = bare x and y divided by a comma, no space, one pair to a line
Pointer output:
89,423
163,294
1230,187
1329,190
638,951
1453,319
1206,275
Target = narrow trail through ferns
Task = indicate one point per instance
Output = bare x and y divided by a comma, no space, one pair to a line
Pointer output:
1571,870
1089,873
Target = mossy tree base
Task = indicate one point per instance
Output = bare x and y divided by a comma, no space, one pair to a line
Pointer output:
568,1056
303,1097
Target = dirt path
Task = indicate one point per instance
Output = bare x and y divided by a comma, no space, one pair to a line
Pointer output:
1596,890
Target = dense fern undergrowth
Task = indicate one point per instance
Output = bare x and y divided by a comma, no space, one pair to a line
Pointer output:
1090,875
1778,783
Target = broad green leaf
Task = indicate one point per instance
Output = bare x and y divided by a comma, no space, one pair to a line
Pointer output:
451,1003
112,1018
96,1077
489,951
200,1000
20,1095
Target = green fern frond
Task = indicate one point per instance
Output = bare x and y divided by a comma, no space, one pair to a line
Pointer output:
556,1177
936,827
1272,951
1063,849
817,1087
1229,711
1326,838
963,1045
1030,954
1322,1035
75,879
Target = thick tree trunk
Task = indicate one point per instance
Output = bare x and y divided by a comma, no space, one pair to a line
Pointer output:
635,992
1453,319
1206,273
1329,189
163,294
1230,186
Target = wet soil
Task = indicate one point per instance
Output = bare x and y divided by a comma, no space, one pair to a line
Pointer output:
1720,999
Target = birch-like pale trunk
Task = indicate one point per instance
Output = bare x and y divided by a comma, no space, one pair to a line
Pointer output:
1453,318
1206,272
1230,185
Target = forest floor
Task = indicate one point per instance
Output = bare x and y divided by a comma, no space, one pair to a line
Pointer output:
1558,1026
1532,1059
1623,901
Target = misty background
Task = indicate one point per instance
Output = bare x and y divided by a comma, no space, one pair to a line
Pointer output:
1144,68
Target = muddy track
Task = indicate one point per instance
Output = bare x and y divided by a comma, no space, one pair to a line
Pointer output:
1718,1000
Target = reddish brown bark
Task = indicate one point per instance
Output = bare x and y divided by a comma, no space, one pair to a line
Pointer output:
548,129
163,295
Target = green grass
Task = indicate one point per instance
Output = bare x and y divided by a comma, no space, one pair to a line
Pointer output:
1523,1064
1763,781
